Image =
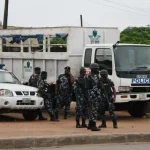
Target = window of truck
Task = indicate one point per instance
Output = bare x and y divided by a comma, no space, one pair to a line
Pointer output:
103,57
87,57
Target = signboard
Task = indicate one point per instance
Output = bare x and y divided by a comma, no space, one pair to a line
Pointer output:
95,38
28,66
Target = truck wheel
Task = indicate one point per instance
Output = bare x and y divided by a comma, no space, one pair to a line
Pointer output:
138,109
30,115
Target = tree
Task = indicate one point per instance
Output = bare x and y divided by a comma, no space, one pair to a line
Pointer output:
135,35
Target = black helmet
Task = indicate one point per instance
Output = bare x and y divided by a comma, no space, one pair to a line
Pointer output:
103,72
94,66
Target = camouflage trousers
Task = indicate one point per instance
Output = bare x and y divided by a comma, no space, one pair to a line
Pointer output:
81,106
94,98
107,105
63,100
48,103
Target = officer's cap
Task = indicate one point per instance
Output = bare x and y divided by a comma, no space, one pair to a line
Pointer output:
94,66
103,72
43,73
67,68
37,68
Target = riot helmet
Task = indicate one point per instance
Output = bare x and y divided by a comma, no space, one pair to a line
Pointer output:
104,73
44,75
37,70
94,68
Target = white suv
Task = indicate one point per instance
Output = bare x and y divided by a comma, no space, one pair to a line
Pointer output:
15,97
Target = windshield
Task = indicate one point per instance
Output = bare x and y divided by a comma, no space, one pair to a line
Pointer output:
8,77
129,58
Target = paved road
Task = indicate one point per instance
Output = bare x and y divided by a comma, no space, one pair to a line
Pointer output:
100,147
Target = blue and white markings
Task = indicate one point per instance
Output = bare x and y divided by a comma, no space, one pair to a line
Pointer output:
141,81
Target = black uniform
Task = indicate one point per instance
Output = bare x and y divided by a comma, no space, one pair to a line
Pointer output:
44,91
107,100
94,95
64,94
33,82
81,99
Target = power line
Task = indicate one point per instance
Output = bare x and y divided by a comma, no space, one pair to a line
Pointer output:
128,6
117,7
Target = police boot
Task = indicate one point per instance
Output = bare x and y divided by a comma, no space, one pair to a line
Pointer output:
41,116
78,124
89,125
53,118
65,115
103,125
115,123
93,126
84,125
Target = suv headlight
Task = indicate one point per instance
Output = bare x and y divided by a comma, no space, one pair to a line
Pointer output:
124,88
6,93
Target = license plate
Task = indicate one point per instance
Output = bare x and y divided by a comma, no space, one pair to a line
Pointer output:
141,80
141,76
26,100
142,96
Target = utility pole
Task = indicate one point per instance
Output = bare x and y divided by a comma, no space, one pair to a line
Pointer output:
81,21
5,20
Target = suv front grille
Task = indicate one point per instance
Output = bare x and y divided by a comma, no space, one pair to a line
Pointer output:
20,102
25,93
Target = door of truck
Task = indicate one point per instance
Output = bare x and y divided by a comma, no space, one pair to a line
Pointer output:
103,55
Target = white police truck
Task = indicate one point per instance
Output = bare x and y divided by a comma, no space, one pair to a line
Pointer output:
128,66
18,98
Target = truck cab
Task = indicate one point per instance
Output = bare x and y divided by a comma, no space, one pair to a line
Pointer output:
128,66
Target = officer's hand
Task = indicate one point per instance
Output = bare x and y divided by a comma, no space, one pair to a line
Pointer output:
114,99
51,83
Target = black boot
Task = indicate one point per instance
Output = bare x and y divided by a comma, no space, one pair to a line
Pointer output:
78,124
94,128
103,125
56,116
115,123
53,118
41,116
65,115
89,125
84,125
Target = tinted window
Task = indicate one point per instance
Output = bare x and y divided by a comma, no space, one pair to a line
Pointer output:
87,58
104,58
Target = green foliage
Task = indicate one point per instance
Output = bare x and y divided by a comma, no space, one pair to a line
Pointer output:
58,41
135,35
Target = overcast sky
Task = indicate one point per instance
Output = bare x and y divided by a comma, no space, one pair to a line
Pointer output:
108,13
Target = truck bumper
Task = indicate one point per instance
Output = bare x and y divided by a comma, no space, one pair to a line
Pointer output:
21,103
127,97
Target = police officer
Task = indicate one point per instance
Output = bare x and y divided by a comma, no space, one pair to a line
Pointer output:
44,91
109,98
64,92
33,82
81,101
94,95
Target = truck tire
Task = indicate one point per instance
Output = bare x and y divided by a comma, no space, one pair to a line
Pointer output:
138,109
30,115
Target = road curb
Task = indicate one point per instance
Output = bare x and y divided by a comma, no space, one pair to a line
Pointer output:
28,142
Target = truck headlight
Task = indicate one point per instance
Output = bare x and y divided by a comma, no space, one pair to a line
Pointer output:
6,93
124,88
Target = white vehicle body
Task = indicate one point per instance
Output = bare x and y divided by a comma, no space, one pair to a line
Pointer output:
15,97
15,56
128,67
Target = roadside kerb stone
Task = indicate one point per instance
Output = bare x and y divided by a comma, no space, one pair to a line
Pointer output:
29,142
